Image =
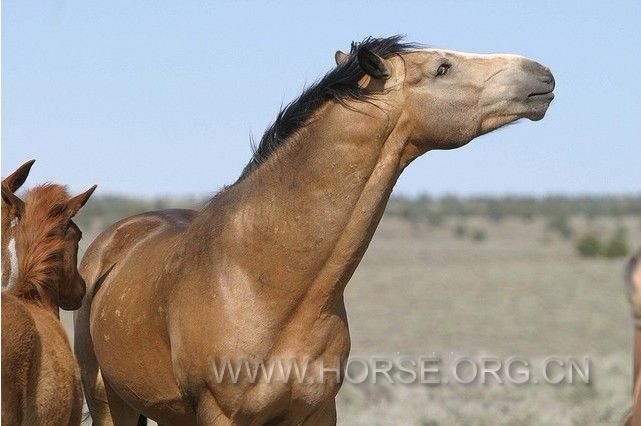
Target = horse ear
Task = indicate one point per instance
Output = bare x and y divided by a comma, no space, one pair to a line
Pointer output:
13,201
340,57
372,64
15,180
76,203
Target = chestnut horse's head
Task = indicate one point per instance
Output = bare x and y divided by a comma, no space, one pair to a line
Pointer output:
46,243
447,97
10,218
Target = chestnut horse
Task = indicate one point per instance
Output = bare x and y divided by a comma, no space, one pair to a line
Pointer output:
40,377
259,273
13,182
633,287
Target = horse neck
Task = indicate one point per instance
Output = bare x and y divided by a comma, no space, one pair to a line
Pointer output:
39,274
301,222
41,296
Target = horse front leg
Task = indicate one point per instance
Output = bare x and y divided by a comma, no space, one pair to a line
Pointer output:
209,413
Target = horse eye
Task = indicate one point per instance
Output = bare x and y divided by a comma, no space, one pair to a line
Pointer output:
442,69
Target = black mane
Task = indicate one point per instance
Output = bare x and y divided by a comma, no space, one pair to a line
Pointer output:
340,83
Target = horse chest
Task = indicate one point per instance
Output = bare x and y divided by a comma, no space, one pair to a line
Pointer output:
302,372
309,385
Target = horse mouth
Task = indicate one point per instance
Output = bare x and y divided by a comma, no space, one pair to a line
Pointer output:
543,90
539,104
541,95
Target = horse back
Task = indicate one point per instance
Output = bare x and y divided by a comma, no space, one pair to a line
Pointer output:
120,238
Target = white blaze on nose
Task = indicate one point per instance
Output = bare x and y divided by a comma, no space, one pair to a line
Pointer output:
13,274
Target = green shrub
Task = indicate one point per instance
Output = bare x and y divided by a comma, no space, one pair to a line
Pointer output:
460,230
494,211
434,218
589,245
622,230
479,236
559,223
409,213
527,216
617,246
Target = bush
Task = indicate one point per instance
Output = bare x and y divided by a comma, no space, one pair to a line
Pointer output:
479,236
409,213
460,230
622,230
559,223
494,211
617,246
434,218
589,246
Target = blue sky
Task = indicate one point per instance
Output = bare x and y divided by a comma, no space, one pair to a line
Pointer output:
153,98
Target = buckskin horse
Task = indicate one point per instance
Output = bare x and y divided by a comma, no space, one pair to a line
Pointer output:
40,377
12,183
259,273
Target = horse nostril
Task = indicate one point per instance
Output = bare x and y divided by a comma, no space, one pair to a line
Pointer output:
548,78
539,72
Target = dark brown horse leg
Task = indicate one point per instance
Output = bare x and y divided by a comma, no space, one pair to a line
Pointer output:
326,416
121,413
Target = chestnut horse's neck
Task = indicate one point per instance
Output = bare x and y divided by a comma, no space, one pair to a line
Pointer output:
300,223
38,276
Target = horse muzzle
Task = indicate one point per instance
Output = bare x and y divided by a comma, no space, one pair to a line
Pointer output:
536,89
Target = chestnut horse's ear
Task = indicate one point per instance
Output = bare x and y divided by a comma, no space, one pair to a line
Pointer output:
74,204
16,205
340,57
15,180
372,64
